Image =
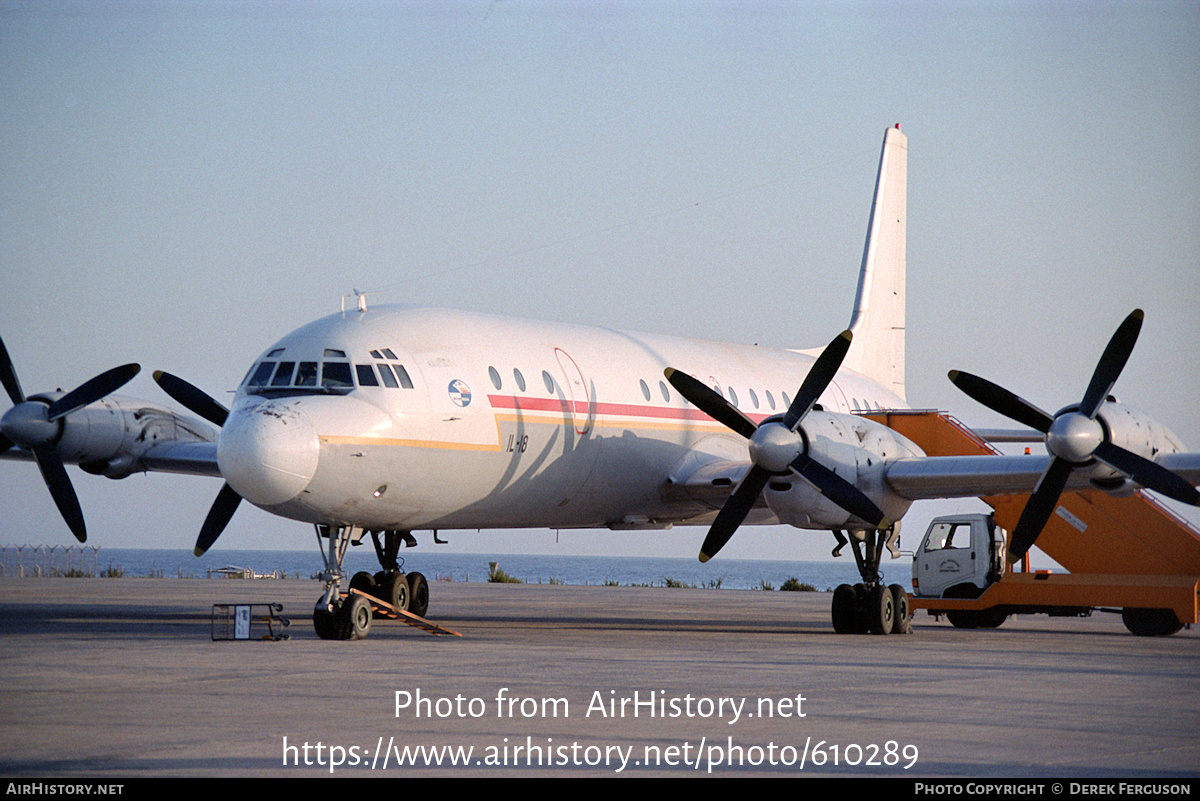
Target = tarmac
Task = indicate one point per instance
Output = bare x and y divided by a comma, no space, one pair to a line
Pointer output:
122,678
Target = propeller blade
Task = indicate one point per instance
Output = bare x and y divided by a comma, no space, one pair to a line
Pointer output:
1039,507
1147,473
55,476
8,377
707,400
818,378
1000,400
92,391
1111,363
734,511
192,398
218,517
839,490
45,448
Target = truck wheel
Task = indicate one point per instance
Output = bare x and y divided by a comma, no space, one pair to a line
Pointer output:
992,618
1151,622
963,618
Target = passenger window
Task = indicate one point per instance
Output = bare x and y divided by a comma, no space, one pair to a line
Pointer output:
770,400
753,398
262,374
366,375
520,379
283,376
389,380
787,402
662,387
733,397
495,376
336,375
548,381
645,390
306,374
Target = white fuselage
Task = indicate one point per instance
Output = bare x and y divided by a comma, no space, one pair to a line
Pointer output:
514,423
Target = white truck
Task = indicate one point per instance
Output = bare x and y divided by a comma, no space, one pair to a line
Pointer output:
959,571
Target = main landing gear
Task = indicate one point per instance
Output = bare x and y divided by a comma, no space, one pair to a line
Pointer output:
870,606
349,618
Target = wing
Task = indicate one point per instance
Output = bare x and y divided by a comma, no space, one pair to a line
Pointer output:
929,477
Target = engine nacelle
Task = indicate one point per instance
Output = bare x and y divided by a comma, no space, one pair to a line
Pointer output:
109,436
855,448
1137,432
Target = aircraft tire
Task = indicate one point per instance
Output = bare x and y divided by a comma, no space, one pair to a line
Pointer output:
326,624
363,581
845,610
395,590
881,610
355,618
418,594
900,604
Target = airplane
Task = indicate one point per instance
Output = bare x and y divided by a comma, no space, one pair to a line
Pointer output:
391,420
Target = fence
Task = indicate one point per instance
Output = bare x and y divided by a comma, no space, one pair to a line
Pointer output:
48,560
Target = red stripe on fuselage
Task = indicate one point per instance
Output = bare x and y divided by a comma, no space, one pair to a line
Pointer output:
520,403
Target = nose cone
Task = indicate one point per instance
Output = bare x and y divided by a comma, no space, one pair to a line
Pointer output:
268,453
27,425
1074,437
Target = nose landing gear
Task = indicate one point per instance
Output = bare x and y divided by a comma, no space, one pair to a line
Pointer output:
349,618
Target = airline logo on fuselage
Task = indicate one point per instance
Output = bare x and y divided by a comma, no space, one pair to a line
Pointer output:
460,393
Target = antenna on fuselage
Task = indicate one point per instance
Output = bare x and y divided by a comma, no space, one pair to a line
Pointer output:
360,301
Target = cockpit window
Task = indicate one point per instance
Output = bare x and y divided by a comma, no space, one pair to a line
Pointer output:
330,375
366,375
389,380
283,376
336,375
261,374
306,376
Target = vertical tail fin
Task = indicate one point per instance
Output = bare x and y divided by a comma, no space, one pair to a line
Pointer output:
878,319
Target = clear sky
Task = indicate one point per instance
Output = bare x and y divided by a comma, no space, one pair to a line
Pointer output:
183,183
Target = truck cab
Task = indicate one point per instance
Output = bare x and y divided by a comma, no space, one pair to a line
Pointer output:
963,554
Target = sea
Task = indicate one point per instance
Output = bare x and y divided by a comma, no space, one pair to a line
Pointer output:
728,574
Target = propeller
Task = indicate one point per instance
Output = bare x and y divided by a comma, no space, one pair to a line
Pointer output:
200,403
1074,437
777,447
37,426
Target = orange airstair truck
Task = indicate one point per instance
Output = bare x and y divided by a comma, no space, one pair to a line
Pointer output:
1130,554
